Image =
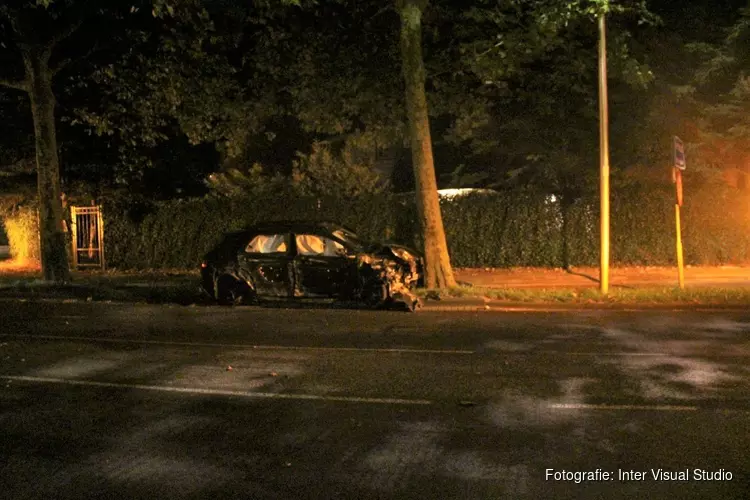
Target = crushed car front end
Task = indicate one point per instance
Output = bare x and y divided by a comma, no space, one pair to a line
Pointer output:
396,267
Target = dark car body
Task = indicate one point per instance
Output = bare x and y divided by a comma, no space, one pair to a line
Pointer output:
309,259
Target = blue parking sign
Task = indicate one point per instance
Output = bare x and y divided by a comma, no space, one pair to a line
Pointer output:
678,154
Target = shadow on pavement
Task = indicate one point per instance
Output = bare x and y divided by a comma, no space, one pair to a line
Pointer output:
596,280
186,293
583,275
149,293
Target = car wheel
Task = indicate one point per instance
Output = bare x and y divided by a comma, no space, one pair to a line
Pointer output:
375,294
229,291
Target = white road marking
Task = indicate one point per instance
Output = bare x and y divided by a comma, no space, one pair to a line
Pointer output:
604,354
644,354
343,399
634,354
217,392
675,408
583,406
334,349
237,346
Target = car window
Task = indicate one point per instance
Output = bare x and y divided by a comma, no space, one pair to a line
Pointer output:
312,244
267,243
349,238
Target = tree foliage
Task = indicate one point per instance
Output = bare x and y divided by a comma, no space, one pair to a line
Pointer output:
29,33
318,174
529,116
700,64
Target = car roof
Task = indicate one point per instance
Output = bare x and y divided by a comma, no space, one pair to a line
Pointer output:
295,226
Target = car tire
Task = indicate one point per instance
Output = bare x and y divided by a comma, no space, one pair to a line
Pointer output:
375,294
229,291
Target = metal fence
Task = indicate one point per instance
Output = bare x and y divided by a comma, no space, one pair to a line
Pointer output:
88,236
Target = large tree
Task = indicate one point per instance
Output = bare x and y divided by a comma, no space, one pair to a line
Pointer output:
40,39
438,271
32,30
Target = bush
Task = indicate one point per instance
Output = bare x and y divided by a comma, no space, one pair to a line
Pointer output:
22,230
510,229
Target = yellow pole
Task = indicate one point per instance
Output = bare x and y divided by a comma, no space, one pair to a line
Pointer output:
680,271
603,161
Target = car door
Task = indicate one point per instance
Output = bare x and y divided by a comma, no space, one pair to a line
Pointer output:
323,266
266,263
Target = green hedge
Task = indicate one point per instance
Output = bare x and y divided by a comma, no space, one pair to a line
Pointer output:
508,229
498,230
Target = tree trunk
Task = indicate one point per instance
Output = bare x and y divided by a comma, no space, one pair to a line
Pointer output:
565,206
52,237
438,271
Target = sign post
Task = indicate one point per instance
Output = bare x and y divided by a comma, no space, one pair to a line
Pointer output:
603,161
678,165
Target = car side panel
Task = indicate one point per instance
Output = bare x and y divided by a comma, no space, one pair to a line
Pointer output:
317,276
268,276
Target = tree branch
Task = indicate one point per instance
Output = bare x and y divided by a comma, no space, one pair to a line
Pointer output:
60,65
69,30
16,84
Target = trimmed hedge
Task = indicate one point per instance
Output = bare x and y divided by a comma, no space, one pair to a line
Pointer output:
499,230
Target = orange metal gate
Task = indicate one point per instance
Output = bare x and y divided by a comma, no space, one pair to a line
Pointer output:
88,236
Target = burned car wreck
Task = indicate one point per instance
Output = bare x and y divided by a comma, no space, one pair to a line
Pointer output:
310,260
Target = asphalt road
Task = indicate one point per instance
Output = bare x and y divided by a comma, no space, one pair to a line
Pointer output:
138,401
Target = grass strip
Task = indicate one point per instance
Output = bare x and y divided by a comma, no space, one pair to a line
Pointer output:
636,296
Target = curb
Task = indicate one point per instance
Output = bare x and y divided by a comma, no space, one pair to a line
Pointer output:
455,309
450,304
475,305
